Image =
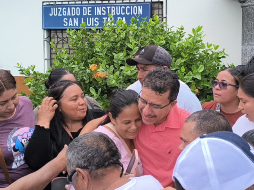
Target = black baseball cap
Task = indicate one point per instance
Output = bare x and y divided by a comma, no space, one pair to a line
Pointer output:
151,55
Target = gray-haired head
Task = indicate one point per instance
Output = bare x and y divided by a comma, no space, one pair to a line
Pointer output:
208,121
161,80
94,152
249,137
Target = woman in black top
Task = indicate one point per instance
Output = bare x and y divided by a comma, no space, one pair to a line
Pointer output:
61,117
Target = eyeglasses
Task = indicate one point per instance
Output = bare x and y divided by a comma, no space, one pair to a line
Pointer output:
152,106
223,85
69,177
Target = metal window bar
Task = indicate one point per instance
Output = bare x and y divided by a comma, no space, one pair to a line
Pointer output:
60,38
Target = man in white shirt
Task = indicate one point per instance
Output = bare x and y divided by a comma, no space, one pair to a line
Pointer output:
152,56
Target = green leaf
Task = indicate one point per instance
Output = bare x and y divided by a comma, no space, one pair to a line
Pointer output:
201,68
194,31
182,69
209,45
199,28
193,87
92,90
215,47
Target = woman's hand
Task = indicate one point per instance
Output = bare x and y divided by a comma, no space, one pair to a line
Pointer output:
46,112
92,125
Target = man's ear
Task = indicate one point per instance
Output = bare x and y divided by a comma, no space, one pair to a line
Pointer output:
173,103
83,177
113,121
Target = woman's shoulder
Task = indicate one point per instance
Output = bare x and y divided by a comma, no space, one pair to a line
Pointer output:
24,103
243,120
209,105
25,110
110,134
106,131
242,125
24,100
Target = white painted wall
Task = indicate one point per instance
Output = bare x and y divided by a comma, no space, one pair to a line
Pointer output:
221,21
22,35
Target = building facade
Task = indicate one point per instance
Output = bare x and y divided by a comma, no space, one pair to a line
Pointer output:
24,40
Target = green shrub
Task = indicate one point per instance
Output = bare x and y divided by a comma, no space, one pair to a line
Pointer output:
35,82
99,56
195,62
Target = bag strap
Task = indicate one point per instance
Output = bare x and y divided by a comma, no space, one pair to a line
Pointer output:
111,126
4,167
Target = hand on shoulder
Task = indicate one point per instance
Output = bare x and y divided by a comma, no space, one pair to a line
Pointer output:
92,125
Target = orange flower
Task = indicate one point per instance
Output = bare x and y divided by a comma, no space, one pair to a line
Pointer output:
197,90
100,75
94,67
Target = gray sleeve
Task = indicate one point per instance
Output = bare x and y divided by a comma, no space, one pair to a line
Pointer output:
93,102
36,113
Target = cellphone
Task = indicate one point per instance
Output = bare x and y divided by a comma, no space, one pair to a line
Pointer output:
133,163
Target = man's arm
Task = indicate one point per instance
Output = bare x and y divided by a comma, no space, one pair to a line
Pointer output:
42,177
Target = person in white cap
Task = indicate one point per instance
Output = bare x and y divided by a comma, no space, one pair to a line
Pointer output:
216,161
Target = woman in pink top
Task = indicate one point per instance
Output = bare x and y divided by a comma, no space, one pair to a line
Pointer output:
122,124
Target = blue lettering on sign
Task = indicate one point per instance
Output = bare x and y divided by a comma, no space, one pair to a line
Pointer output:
71,16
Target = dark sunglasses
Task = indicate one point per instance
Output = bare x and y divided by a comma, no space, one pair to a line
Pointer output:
69,177
223,85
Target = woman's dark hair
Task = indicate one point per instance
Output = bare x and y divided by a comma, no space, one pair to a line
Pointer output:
249,136
59,137
240,71
120,99
7,81
247,85
249,67
237,73
56,76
